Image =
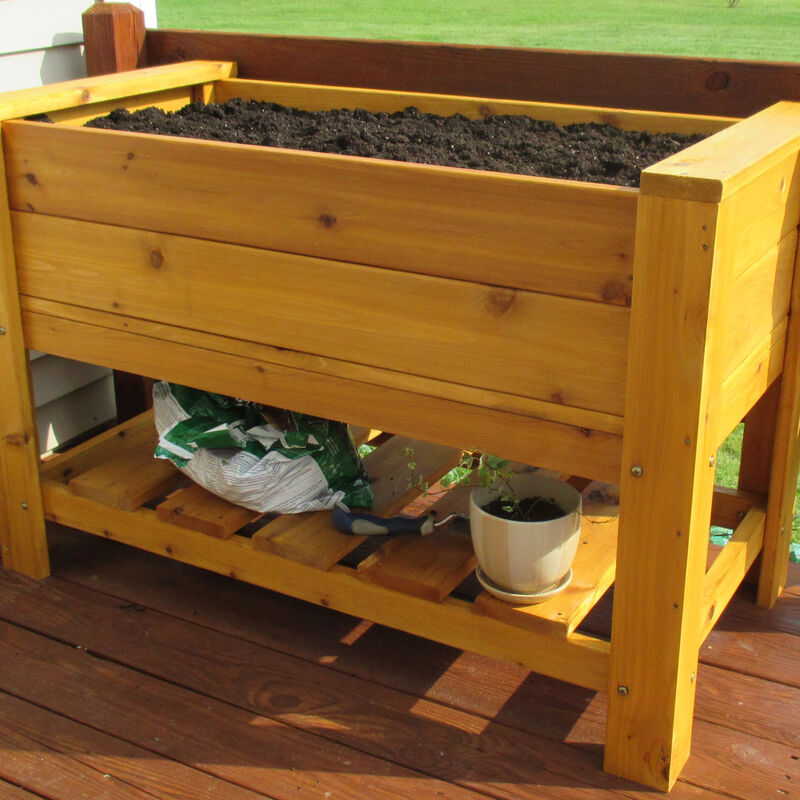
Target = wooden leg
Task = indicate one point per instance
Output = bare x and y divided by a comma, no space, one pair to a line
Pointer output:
22,536
666,490
785,457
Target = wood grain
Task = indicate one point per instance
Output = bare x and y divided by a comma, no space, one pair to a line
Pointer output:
72,757
514,436
113,36
665,83
515,341
514,231
22,538
582,659
324,98
85,91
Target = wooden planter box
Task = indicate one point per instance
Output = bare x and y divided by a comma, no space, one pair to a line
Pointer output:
603,332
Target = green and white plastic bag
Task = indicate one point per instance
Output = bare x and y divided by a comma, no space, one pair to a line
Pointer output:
228,447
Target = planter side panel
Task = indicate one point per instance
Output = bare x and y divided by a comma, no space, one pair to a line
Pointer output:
230,366
558,237
561,350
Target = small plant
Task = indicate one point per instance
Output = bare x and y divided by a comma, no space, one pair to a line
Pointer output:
485,471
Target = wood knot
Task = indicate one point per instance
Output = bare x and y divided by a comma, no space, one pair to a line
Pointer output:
717,81
617,292
557,397
32,179
485,111
156,258
17,439
501,301
130,156
86,96
327,220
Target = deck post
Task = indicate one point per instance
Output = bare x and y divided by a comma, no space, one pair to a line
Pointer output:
114,38
23,544
666,491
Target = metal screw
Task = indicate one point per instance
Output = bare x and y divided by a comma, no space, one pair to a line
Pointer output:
693,677
623,690
636,471
2,331
712,461
24,506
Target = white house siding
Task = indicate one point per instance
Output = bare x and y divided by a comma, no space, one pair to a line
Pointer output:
41,42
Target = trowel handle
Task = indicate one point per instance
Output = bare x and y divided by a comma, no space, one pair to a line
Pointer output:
348,521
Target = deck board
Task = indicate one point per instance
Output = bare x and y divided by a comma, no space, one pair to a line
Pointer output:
254,683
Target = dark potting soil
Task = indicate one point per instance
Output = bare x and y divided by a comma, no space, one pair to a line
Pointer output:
516,144
530,509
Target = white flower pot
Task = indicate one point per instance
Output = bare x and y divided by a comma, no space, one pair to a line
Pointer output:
526,561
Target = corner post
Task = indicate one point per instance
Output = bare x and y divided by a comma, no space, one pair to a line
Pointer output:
23,544
716,235
666,490
114,38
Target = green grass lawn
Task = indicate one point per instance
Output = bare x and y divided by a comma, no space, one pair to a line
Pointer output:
753,29
757,29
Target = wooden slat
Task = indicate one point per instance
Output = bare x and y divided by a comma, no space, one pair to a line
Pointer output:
128,436
582,659
170,100
750,380
526,406
667,83
471,334
196,508
730,567
102,764
312,539
593,570
312,97
424,566
554,236
762,213
581,451
757,303
55,96
729,506
127,480
721,165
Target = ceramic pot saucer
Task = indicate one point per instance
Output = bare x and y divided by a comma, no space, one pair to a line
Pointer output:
522,599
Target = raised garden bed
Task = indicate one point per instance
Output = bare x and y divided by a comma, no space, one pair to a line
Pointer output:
462,308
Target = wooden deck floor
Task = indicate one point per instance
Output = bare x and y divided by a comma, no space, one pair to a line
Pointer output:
129,676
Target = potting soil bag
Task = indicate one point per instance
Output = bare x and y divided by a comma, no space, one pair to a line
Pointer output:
230,448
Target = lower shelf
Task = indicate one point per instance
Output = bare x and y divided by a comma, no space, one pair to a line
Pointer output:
423,585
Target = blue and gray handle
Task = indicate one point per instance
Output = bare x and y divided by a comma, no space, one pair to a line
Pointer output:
348,521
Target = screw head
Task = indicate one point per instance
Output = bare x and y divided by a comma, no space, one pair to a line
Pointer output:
711,461
636,471
2,331
622,690
23,506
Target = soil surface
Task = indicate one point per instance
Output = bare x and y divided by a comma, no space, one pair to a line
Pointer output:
516,144
529,509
